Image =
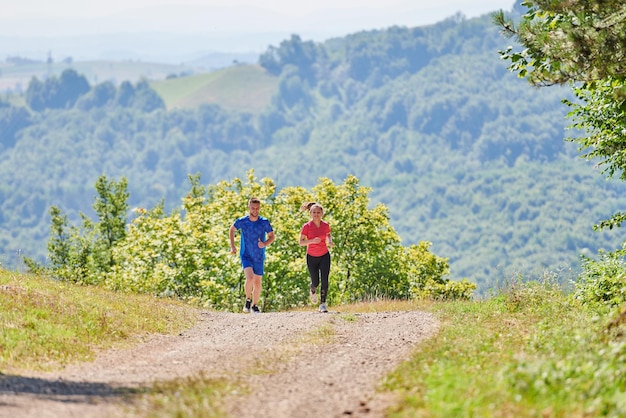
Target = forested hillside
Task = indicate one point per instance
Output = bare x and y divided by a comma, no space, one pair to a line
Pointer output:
463,153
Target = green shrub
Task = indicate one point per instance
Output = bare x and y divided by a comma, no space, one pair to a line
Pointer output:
186,255
603,282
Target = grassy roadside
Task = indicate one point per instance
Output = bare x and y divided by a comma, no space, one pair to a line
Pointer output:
45,323
529,351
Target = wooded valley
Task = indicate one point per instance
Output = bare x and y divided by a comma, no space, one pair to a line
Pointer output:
463,153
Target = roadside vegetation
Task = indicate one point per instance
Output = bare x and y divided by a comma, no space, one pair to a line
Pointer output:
529,350
184,254
45,323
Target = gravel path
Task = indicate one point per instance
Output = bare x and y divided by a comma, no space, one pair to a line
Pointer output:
321,365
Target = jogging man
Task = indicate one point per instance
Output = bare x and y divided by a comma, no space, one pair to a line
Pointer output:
256,235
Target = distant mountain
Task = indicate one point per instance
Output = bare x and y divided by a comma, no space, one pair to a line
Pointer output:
463,153
158,47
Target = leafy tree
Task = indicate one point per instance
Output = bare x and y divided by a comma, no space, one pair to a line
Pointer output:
12,120
146,99
292,90
72,86
573,41
83,255
56,93
582,43
69,249
125,94
59,246
158,256
111,208
303,55
99,96
35,95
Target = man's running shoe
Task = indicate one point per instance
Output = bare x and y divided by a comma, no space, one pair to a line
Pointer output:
313,297
323,308
246,307
255,309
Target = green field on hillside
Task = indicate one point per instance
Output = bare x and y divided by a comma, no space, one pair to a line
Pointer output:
245,88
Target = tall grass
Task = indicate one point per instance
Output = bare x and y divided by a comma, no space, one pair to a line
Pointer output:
531,351
46,323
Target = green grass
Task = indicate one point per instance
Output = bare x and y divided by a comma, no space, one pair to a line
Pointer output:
530,351
46,323
196,396
243,87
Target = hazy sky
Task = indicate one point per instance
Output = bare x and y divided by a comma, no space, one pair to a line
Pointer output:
85,8
171,14
179,27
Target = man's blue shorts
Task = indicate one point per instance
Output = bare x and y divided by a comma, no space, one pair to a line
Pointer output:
257,266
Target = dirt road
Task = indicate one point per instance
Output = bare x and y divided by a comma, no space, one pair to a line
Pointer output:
320,365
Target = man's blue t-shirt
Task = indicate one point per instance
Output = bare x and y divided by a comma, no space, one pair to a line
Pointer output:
251,232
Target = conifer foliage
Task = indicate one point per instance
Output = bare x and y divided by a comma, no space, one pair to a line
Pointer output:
582,43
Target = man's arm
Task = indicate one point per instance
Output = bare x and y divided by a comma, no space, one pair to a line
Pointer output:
270,238
231,236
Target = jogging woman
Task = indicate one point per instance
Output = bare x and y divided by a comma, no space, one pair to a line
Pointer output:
315,234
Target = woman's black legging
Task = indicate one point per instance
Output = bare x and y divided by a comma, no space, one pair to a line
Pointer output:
319,270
